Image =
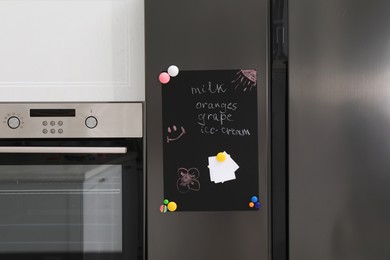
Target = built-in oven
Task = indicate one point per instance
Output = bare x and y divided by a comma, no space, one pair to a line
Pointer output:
71,181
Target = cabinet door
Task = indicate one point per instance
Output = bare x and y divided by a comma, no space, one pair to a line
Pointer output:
81,50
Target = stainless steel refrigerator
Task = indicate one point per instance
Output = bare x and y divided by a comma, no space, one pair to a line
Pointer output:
339,130
203,37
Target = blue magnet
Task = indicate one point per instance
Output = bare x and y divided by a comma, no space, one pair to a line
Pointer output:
254,199
257,205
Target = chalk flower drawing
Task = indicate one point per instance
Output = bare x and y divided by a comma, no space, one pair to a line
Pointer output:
188,180
171,133
246,79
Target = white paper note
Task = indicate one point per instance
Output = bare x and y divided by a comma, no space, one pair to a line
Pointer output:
222,171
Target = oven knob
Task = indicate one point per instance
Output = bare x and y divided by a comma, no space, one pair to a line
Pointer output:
91,122
13,122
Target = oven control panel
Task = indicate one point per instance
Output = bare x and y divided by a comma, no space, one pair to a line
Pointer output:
77,120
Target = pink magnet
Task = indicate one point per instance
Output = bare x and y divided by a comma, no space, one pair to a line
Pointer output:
164,78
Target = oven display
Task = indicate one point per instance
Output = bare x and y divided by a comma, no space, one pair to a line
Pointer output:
52,112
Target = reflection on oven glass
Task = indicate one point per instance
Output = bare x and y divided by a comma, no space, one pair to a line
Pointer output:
60,208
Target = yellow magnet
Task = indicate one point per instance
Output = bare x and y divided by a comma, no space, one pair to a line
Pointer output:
221,157
172,206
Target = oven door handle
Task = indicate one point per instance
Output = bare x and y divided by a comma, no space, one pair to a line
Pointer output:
62,149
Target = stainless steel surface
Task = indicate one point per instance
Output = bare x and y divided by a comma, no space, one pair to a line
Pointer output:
339,123
205,35
62,149
91,120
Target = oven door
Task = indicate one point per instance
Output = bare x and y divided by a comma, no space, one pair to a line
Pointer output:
71,200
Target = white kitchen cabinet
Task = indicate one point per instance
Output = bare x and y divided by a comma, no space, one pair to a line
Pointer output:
72,50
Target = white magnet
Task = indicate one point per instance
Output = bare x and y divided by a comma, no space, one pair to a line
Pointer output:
173,71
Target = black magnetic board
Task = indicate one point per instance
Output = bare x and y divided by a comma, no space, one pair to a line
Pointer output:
204,113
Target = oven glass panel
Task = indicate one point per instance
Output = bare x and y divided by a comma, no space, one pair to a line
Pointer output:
61,208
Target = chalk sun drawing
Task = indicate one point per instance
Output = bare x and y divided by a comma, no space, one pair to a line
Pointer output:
188,180
246,79
173,131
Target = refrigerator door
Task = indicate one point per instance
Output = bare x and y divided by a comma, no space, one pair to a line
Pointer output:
339,123
204,35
